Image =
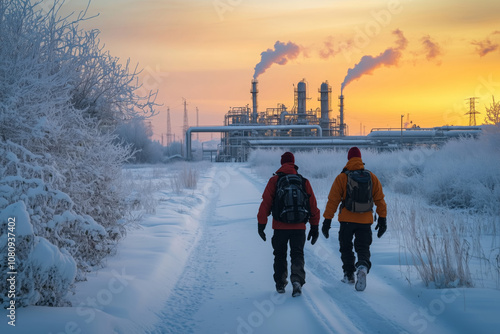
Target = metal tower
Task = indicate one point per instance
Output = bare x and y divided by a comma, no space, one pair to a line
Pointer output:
472,111
254,91
186,124
342,125
169,128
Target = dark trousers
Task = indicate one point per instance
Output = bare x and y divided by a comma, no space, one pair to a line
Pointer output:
297,239
362,234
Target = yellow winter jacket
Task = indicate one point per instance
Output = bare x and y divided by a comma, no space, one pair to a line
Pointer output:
338,193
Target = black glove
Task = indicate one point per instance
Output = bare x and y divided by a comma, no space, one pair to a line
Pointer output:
313,233
261,231
327,223
381,226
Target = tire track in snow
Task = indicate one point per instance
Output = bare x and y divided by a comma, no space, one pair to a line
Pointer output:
191,291
193,288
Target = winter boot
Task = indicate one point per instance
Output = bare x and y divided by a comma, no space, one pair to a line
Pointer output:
280,288
348,278
297,289
361,279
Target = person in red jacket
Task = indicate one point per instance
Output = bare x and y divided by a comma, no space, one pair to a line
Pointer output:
285,233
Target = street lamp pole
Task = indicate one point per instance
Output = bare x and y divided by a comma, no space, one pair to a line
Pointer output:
402,128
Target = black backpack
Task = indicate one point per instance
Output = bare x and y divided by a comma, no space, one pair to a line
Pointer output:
291,201
359,197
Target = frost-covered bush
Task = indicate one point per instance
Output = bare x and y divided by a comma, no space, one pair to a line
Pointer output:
138,135
438,248
54,222
186,178
61,98
45,272
464,174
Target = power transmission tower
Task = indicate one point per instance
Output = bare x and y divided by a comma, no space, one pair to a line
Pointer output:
169,128
472,111
186,124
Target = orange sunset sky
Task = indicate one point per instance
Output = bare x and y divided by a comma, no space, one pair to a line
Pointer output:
206,52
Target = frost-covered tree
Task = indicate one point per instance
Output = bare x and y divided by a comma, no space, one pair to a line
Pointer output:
137,133
61,97
493,113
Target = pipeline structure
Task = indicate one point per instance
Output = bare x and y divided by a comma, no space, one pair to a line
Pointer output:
298,128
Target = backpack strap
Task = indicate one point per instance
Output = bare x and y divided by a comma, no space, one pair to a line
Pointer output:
305,191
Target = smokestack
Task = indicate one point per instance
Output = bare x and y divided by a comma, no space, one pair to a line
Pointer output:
325,91
254,92
342,125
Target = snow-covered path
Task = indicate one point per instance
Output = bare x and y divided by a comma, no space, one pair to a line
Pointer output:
227,286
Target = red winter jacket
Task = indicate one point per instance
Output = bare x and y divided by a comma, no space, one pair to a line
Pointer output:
268,197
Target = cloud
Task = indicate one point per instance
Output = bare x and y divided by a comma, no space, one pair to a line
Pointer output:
432,49
488,44
485,46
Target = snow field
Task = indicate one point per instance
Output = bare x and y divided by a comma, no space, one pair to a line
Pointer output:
195,264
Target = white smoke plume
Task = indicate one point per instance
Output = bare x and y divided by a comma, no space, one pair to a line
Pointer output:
368,64
282,53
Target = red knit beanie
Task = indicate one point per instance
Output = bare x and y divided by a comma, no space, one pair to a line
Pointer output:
354,152
287,157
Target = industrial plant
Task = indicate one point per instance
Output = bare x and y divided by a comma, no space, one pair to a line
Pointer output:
299,128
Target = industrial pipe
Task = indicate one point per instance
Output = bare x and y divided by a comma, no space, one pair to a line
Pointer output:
243,128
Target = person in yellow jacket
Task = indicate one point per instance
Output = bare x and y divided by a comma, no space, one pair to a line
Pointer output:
355,225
